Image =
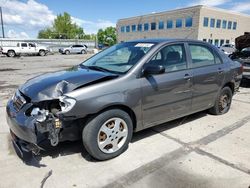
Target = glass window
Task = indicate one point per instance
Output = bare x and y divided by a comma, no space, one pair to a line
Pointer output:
222,41
229,26
32,45
224,24
205,22
161,25
212,22
146,27
118,58
172,57
201,56
24,45
189,22
178,23
127,28
218,24
210,41
153,26
227,41
133,28
216,42
234,25
217,59
169,24
122,29
204,40
139,27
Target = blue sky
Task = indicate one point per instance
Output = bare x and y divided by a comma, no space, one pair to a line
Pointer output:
24,18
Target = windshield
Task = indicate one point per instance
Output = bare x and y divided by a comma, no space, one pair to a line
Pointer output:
119,58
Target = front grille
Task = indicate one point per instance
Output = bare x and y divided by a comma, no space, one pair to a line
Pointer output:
18,101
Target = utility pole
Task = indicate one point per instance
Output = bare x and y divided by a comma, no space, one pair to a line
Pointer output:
1,15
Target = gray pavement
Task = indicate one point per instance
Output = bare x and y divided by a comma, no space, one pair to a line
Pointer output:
200,150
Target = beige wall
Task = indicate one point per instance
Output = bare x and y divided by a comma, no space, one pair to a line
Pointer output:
197,31
243,24
191,32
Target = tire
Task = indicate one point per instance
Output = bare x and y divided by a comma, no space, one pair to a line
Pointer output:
83,52
11,53
42,53
103,142
223,102
67,52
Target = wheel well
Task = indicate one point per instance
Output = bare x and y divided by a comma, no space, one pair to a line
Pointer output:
230,85
11,51
126,109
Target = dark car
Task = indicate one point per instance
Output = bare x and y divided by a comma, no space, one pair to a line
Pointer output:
124,89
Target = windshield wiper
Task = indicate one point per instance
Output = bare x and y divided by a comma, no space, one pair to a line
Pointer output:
93,67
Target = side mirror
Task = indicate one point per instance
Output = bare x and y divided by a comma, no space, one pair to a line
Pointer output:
153,69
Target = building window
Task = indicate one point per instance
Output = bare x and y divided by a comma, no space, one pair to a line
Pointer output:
210,41
216,42
178,23
204,40
189,22
229,26
146,27
133,28
227,41
224,24
127,28
153,26
161,25
139,27
218,24
205,22
169,24
122,29
234,25
222,42
212,22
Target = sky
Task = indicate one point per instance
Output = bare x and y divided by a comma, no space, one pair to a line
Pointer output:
24,18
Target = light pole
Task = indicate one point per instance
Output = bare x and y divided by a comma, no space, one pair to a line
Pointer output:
1,16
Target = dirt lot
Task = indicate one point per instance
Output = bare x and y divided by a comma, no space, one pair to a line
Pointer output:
196,151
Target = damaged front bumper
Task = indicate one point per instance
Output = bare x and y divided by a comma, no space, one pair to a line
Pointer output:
26,132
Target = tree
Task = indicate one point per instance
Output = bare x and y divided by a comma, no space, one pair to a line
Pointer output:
107,36
62,27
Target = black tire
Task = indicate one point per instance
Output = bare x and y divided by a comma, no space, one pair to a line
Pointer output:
223,102
90,134
42,53
11,53
83,52
67,52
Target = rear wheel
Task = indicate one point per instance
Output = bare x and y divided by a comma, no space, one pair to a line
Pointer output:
223,102
42,53
11,53
108,134
83,52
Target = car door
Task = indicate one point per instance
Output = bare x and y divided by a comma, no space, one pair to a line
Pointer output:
208,75
75,49
24,48
31,48
167,96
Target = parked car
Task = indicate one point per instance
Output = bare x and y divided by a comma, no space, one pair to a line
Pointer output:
228,48
242,54
24,48
74,49
123,89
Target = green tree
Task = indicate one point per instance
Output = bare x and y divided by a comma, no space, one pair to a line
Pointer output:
62,27
107,36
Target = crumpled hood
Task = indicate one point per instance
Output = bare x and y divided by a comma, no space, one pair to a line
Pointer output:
52,85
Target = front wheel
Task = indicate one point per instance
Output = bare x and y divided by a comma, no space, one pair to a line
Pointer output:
223,102
42,53
108,134
11,53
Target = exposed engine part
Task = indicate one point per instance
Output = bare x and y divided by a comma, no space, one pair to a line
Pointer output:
39,115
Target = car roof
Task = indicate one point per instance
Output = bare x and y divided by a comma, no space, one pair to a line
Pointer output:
165,40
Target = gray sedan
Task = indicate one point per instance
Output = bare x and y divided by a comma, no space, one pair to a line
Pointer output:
123,89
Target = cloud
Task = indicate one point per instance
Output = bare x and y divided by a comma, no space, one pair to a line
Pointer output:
241,7
13,34
92,27
210,3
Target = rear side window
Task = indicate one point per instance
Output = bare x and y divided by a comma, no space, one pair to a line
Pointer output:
24,45
201,56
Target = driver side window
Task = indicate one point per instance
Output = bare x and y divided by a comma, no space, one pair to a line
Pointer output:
172,57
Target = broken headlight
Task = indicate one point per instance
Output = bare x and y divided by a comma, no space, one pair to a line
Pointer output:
39,115
66,103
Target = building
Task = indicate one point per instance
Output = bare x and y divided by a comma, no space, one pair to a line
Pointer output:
214,25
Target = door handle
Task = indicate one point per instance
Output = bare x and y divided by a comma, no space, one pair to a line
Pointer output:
220,71
187,77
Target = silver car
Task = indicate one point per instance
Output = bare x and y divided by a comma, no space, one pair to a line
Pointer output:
74,49
124,89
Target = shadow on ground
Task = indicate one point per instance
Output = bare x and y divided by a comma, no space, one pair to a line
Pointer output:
69,148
